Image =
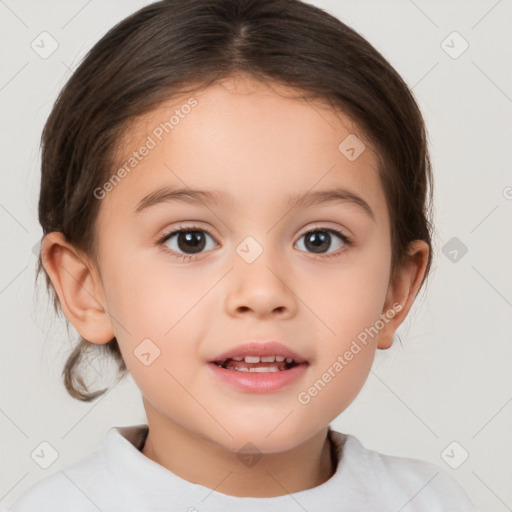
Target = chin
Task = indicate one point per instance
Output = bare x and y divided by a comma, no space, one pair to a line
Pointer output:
267,437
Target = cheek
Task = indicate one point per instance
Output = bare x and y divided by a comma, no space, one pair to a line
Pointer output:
349,296
154,311
334,386
349,303
149,295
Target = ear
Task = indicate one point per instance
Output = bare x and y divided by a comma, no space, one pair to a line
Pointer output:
403,288
79,288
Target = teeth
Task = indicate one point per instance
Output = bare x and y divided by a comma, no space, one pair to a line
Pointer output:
260,369
262,359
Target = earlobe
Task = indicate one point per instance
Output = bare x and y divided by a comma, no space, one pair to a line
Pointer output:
403,288
78,288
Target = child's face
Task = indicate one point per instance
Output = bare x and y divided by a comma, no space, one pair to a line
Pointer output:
260,148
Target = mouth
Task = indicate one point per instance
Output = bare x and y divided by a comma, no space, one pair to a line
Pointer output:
259,357
258,367
270,364
258,374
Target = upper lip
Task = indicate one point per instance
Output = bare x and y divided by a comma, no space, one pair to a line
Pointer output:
259,348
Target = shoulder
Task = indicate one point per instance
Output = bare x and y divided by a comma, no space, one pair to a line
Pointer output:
72,488
405,482
50,493
95,482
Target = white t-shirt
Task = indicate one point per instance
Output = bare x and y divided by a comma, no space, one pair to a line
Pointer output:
118,477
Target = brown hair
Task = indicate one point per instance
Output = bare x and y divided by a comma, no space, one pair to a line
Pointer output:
172,46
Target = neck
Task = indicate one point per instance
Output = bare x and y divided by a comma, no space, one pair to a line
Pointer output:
203,462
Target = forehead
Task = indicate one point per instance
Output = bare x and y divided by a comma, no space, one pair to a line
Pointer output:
257,141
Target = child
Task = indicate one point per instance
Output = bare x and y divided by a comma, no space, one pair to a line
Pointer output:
292,158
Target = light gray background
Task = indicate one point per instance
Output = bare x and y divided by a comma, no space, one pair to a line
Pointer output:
451,379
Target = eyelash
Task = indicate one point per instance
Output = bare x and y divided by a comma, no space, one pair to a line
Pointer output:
191,257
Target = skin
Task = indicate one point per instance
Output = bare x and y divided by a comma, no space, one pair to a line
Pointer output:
260,143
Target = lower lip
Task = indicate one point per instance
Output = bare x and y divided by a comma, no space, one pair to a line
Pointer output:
259,382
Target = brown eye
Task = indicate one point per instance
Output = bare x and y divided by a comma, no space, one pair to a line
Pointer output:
319,241
191,240
188,241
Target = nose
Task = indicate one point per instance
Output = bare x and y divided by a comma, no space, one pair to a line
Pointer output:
261,289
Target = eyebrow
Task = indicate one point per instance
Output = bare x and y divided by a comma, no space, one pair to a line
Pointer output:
217,197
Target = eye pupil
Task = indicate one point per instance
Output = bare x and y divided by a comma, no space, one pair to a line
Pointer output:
191,240
316,240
